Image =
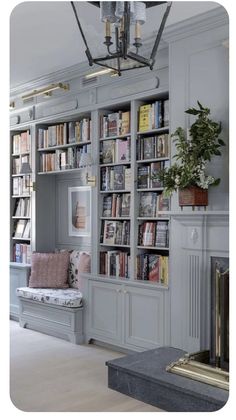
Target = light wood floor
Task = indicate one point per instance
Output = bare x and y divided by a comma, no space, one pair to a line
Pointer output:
49,374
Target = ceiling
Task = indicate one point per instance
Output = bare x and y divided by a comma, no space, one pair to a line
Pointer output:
44,36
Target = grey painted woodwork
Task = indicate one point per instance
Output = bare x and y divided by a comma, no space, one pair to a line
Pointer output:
131,317
194,239
59,321
19,275
198,71
195,66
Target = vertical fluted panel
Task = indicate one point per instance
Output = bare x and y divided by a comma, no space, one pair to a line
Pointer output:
194,296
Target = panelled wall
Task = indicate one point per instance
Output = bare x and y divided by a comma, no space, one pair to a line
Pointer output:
192,66
199,70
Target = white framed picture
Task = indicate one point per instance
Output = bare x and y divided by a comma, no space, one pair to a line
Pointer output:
79,211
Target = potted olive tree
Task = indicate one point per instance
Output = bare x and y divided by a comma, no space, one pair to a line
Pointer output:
188,174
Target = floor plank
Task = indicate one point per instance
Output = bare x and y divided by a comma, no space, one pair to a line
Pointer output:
48,374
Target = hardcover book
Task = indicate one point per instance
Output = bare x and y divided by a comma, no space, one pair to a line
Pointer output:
148,148
143,176
145,117
153,267
119,177
20,226
125,205
155,168
109,232
122,150
162,234
147,207
166,113
107,206
125,123
108,151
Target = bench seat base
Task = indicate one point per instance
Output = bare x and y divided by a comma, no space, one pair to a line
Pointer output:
59,321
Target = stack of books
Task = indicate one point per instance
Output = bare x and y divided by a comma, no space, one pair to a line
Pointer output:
154,234
115,124
115,263
152,267
155,115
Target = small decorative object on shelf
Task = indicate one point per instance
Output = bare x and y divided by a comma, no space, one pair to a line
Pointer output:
188,175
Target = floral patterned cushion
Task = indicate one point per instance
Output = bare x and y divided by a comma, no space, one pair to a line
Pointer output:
70,297
80,262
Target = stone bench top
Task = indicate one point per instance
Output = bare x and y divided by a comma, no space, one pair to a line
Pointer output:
71,298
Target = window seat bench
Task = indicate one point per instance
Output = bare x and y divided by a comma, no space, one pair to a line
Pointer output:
57,312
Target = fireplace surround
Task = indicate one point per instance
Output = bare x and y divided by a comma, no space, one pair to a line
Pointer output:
212,366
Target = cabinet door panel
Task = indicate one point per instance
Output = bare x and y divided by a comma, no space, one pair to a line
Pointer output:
105,311
144,317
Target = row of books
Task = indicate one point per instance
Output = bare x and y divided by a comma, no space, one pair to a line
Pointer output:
148,174
152,267
116,205
154,115
151,203
22,229
22,207
62,159
115,263
17,164
65,133
115,232
115,178
115,151
21,143
152,147
21,185
154,234
22,253
115,124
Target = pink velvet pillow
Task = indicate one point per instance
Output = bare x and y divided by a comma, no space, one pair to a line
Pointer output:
49,270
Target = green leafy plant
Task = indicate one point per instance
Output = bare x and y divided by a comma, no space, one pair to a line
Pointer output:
193,154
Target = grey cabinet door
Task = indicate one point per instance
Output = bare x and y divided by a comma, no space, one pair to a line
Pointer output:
144,317
105,311
18,278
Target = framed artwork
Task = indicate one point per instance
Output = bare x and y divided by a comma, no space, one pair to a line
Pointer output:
79,211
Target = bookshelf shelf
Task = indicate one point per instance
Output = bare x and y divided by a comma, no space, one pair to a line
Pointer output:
149,189
154,131
21,196
21,239
153,218
102,165
63,171
21,217
19,265
115,191
159,248
64,146
115,245
121,136
153,160
20,154
115,218
16,175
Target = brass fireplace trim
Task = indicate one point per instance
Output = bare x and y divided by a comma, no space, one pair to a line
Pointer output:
190,368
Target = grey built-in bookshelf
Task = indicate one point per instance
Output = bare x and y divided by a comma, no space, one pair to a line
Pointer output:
149,284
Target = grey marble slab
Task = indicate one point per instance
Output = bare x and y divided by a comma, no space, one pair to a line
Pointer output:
143,376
